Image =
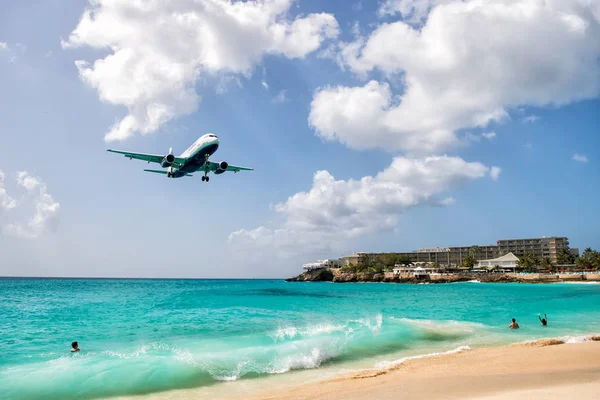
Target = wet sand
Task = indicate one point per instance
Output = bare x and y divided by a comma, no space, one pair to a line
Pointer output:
546,369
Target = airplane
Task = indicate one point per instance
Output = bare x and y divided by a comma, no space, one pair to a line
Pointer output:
195,158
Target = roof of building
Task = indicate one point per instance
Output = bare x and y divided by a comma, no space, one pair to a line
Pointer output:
506,257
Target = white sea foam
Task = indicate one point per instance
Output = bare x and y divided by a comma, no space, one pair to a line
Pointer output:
564,339
578,283
292,332
390,364
442,326
474,281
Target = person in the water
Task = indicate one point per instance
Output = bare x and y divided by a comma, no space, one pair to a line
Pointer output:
75,347
513,324
544,320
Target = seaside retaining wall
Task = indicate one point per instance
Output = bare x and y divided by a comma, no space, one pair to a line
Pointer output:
572,277
536,277
593,277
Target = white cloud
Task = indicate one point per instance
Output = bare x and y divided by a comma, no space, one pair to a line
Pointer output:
364,117
3,46
226,82
495,173
528,145
46,213
580,158
333,211
27,181
281,97
448,201
469,65
530,119
472,137
160,49
412,11
6,202
489,135
265,85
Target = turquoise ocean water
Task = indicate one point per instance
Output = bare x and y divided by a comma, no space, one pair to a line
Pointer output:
142,336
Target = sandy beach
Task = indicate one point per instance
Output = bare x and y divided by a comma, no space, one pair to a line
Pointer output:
540,370
535,371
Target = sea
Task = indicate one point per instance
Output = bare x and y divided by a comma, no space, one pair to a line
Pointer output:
145,336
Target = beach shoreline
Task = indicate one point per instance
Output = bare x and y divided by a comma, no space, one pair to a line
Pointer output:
547,368
340,275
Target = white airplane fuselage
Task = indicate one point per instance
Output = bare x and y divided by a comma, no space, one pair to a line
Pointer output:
197,154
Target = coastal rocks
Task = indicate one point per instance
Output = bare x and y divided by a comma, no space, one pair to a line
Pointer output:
319,275
342,275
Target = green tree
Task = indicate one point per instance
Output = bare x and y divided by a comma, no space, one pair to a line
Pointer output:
404,260
546,263
588,259
388,259
469,261
565,257
528,261
473,251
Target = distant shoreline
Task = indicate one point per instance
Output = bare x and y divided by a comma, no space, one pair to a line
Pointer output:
338,275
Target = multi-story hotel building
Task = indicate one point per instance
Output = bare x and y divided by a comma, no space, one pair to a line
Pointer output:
545,247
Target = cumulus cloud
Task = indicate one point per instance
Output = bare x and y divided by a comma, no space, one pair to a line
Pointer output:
470,64
3,46
530,119
580,158
46,213
281,97
158,50
27,181
6,202
412,11
489,135
333,211
495,173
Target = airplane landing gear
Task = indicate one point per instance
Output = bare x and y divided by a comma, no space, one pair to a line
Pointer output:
205,178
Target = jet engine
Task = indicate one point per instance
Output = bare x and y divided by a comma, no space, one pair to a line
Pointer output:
168,159
222,167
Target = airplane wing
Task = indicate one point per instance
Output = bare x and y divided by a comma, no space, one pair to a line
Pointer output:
155,158
213,166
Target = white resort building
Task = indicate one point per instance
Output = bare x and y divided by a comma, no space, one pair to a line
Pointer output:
416,269
507,262
320,264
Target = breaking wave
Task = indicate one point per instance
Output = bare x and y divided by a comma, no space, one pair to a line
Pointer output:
163,366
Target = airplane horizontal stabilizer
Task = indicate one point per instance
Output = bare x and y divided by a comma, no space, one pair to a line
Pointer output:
157,171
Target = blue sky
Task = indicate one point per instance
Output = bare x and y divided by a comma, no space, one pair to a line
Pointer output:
389,88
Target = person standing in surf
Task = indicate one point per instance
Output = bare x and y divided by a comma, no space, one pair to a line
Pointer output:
513,324
544,320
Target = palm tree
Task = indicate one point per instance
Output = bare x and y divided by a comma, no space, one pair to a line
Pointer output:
547,263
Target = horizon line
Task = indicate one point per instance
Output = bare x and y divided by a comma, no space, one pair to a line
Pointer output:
137,278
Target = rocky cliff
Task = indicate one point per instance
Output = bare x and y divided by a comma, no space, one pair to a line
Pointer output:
340,276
